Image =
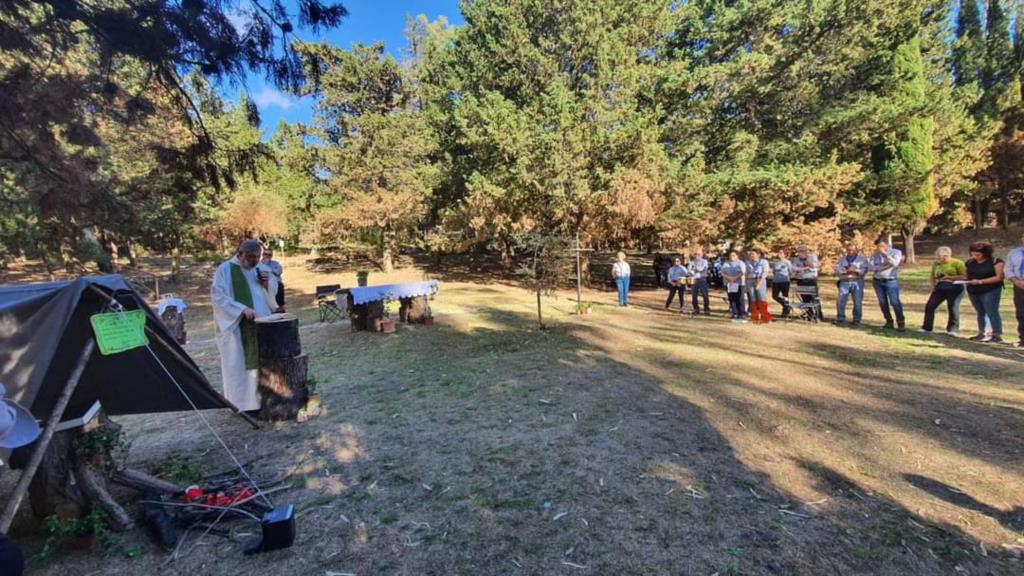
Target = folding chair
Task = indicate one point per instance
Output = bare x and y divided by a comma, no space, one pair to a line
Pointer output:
327,304
808,304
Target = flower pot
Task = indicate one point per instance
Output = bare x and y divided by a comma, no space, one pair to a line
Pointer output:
387,326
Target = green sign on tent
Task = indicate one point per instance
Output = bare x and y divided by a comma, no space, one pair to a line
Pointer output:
120,331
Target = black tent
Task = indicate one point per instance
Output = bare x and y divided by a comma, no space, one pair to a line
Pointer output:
44,329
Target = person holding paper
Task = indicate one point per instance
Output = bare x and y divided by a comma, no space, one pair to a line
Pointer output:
734,275
984,288
677,275
239,297
700,269
885,265
948,275
851,270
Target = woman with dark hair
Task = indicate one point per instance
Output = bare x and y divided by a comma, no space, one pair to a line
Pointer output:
984,287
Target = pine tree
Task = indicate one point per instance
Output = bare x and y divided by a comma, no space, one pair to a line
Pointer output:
969,47
997,67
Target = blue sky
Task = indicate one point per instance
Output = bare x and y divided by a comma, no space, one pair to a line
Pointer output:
368,21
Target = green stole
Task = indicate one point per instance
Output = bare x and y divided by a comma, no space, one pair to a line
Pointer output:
242,293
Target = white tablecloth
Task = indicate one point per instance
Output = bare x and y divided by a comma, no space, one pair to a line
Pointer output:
364,294
163,304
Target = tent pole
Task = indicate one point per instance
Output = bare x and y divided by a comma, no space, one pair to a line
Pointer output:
44,442
187,362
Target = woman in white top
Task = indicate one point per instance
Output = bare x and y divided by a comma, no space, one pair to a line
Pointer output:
620,272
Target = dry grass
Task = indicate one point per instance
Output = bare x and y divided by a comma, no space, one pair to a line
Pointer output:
627,442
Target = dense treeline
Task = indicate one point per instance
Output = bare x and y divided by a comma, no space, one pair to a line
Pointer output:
628,122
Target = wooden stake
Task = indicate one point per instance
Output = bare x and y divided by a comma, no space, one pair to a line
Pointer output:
37,455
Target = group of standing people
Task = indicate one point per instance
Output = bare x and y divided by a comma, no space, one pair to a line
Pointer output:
747,281
981,277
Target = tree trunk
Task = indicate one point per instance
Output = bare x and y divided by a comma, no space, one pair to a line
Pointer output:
1004,209
278,339
133,255
282,387
908,244
284,369
979,216
387,252
175,263
414,310
540,319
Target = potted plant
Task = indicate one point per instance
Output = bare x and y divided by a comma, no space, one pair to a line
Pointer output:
387,324
361,277
583,308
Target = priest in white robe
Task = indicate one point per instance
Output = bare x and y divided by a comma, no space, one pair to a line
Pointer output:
239,297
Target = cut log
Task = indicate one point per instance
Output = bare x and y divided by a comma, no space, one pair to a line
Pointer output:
93,486
282,387
52,491
367,316
414,310
144,482
278,336
175,322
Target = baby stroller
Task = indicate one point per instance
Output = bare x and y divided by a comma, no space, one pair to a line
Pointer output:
808,304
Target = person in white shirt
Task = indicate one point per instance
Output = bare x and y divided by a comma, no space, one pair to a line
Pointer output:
275,287
700,269
677,275
620,272
239,296
885,266
1014,272
734,274
851,270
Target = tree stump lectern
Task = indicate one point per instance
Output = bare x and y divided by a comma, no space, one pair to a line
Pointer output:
283,367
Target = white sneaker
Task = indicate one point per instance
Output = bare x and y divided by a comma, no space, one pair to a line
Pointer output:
923,331
952,333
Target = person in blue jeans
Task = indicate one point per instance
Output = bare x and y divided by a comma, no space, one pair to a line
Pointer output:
620,271
984,288
885,267
851,270
700,269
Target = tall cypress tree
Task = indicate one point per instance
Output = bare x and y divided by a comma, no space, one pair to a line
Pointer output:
997,66
969,48
904,162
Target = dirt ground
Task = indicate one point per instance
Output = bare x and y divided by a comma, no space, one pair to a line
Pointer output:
630,441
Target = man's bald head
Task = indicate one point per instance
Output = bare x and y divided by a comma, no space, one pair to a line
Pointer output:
249,252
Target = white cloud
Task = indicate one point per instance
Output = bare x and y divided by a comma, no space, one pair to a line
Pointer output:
269,97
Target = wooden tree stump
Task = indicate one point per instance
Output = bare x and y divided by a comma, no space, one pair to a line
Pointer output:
367,316
68,484
282,387
414,310
283,368
278,336
175,322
